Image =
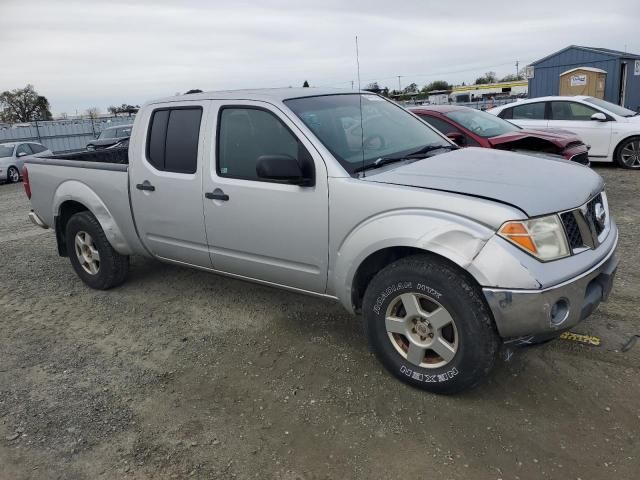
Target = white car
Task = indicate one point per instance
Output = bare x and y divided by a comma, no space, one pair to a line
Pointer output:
13,155
612,131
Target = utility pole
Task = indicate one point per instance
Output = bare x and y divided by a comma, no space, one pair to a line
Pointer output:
351,84
517,69
399,85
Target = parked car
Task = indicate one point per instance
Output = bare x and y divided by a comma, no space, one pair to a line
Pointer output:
469,127
612,131
111,137
13,156
444,251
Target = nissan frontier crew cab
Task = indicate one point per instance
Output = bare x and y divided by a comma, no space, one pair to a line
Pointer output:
445,252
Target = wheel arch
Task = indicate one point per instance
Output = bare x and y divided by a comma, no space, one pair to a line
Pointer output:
451,238
72,197
619,146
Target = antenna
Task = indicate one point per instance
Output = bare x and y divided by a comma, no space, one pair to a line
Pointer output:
360,97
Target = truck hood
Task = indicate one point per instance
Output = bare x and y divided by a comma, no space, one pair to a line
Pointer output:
537,186
557,138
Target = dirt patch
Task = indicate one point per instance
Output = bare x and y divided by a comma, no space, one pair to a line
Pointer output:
182,374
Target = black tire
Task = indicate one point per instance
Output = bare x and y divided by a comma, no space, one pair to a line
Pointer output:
634,144
477,339
12,174
113,267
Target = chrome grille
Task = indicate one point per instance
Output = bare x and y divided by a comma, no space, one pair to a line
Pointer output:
582,225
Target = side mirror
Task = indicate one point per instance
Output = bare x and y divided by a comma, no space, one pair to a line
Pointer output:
599,117
21,154
282,168
456,137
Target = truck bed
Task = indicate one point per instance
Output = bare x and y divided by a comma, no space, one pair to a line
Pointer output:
99,180
110,155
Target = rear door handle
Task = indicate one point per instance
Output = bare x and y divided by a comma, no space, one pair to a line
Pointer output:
146,186
217,194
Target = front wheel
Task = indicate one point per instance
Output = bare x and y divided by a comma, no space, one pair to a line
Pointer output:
91,255
628,153
13,175
427,324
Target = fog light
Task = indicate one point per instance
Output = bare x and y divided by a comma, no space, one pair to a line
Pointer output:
560,311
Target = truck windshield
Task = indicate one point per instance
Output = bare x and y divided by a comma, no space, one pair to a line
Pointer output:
6,151
481,123
388,130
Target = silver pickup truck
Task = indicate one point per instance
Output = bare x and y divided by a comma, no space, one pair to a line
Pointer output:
446,252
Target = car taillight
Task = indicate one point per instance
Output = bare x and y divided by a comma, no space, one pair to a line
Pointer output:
25,182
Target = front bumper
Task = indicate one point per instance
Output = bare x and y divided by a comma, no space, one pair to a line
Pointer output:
520,313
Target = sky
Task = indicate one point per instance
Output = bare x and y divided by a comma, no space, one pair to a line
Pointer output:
87,53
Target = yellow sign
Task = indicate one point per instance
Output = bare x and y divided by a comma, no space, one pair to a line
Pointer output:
578,337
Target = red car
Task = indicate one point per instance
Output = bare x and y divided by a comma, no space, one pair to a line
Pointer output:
474,128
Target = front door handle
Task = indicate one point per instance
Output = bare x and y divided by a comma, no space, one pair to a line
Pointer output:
217,194
146,186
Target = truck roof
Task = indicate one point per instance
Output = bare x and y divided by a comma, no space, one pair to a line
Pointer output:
264,94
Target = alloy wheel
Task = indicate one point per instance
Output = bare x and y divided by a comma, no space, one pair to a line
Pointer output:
421,330
630,154
87,253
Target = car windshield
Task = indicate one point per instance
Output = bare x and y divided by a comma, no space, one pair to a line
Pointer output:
6,151
612,107
481,123
388,130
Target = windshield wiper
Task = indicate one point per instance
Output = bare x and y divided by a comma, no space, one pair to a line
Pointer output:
418,154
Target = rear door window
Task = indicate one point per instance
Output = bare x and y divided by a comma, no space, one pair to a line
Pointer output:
529,111
172,142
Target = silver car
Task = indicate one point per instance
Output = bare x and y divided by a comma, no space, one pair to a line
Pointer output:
13,156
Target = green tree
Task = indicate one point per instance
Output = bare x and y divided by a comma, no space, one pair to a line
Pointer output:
510,78
23,105
436,85
193,90
412,88
305,84
489,77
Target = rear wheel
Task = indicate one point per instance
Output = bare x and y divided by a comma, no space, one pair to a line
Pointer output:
91,255
428,325
13,175
628,153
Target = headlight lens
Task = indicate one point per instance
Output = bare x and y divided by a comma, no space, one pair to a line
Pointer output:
542,237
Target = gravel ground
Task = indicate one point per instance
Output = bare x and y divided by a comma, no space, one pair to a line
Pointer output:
180,373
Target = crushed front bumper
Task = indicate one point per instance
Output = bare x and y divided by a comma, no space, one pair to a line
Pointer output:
549,311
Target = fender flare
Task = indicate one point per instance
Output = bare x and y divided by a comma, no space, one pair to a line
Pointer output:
453,237
73,190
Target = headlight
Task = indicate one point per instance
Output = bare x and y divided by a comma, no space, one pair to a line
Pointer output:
541,237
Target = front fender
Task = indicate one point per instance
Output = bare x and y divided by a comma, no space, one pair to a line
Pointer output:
79,192
451,236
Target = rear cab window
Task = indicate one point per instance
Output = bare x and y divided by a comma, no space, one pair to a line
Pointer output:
172,139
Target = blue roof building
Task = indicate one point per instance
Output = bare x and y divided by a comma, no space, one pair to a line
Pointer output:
623,73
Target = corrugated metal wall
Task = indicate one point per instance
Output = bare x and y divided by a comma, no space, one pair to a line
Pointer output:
547,72
60,135
632,99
